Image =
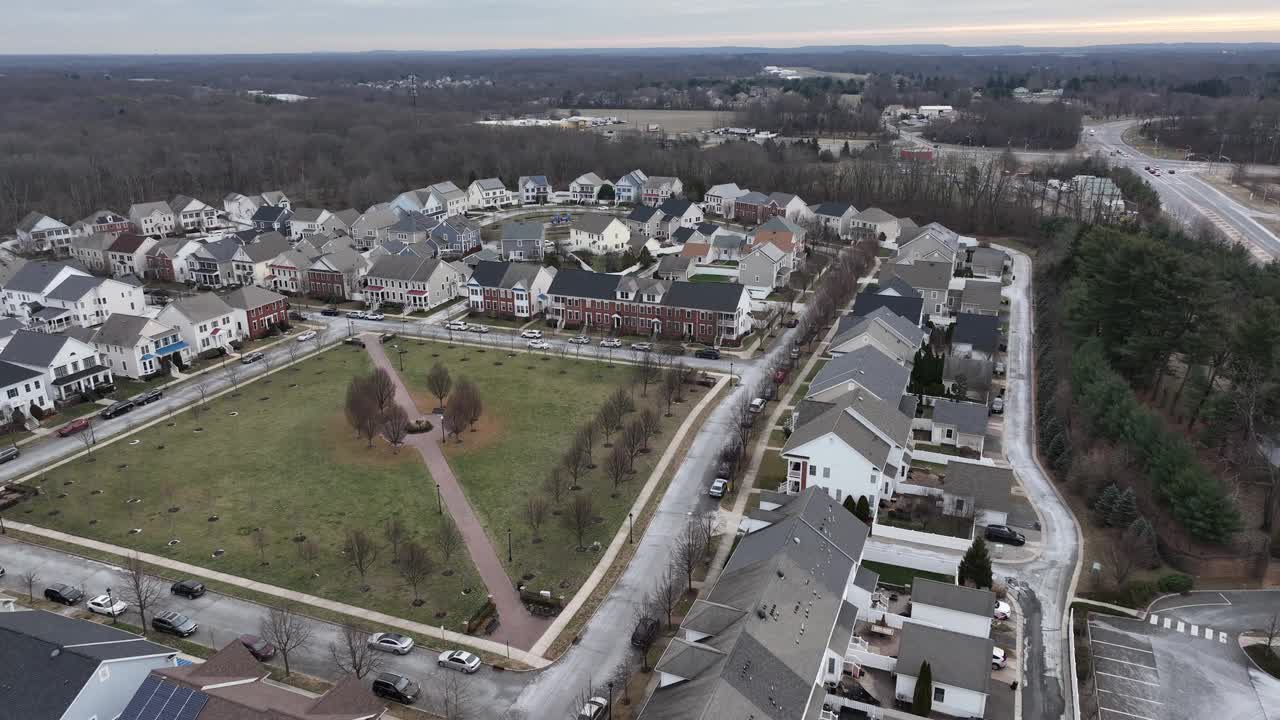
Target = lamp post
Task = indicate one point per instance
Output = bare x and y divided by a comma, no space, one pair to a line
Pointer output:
439,507
508,544
111,603
731,377
610,700
630,534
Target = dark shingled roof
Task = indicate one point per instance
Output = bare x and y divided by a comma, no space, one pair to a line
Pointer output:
908,307
953,597
980,331
955,658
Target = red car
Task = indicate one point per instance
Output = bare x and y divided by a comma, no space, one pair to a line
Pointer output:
73,427
779,376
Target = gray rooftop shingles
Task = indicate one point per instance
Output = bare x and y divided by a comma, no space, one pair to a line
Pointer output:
955,659
866,366
969,418
953,597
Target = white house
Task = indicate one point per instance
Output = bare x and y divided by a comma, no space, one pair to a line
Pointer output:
658,189
127,255
308,221
598,234
836,217
251,262
793,208
139,347
204,321
193,215
41,232
27,288
954,607
68,366
934,243
488,193
240,208
585,189
959,424
86,301
883,329
533,190
153,218
416,283
21,388
688,213
443,199
91,250
874,223
719,199
960,665
630,187
373,227
982,492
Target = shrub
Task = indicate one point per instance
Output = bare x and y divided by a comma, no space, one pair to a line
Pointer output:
1176,583
237,344
420,426
1140,592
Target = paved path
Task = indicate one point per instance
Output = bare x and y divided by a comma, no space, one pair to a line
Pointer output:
517,625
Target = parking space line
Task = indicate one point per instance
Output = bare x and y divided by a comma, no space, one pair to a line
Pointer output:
1126,647
1126,662
1122,677
1131,697
1121,712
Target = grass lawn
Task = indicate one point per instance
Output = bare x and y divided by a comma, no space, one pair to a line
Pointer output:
773,471
128,387
898,575
493,322
710,278
532,409
287,463
1266,658
777,438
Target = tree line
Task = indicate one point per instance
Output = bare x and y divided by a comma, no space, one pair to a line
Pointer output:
1007,123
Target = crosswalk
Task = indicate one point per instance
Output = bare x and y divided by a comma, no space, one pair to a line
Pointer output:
1195,631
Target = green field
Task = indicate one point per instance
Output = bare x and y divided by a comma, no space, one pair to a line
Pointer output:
898,575
532,409
287,463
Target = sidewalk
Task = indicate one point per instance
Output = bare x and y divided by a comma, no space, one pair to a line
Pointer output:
516,624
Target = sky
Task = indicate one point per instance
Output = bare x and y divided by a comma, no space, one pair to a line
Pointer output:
256,26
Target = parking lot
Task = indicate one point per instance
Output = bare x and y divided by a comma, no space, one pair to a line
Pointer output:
1127,678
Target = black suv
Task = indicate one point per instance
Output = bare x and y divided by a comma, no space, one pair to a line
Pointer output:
189,589
1004,534
175,623
645,632
330,312
395,687
707,353
118,408
64,594
149,397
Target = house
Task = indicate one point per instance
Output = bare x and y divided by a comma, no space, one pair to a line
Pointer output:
959,424
102,221
960,665
883,329
277,198
257,310
509,289
153,218
240,208
836,217
985,493
127,255
488,193
645,220
414,283
251,262
68,367
932,279
658,189
445,200
37,231
191,215
630,187
456,236
483,255
976,336
728,247
598,234
763,269
342,221
138,347
782,232
335,276
533,190
980,297
211,264
272,217
791,207
374,226
687,213
287,272
412,227
232,685
585,189
524,241
21,389
166,260
412,201
703,233
875,224
754,207
53,666
968,375
9,326
948,606
53,296
91,251
720,199
205,321
673,267
697,253
863,369
986,261
934,243
711,313
745,649
308,220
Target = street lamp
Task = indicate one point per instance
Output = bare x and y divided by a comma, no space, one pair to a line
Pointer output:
610,700
631,538
731,377
439,508
508,544
111,603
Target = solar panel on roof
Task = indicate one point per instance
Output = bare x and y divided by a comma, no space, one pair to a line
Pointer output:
158,699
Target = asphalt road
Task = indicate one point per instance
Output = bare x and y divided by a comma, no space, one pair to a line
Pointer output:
1231,611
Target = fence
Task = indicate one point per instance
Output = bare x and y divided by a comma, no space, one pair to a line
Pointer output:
891,555
921,538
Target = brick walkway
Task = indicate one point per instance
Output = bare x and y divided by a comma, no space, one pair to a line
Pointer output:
517,626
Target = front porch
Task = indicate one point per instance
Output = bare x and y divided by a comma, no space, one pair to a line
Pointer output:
77,383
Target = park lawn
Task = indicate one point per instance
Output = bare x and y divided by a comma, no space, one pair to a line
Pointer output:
902,576
531,414
288,464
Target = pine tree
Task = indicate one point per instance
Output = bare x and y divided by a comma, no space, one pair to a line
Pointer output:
922,698
1140,538
1125,510
975,566
850,504
1107,500
863,510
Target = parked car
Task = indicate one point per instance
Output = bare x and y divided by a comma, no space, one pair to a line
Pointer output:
997,406
396,687
148,397
330,312
642,346
1002,610
74,426
539,345
792,322
460,660
306,336
250,358
190,589
999,367
107,605
257,647
9,453
64,594
117,408
780,376
356,315
482,329
997,658
174,623
611,343
580,340
718,488
295,315
706,380
374,316
353,341
535,334
455,325
391,642
645,633
1004,534
757,405
593,709
707,353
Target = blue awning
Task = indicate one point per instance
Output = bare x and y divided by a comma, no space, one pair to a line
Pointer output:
166,350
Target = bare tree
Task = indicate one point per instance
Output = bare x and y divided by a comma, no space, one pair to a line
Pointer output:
142,590
439,382
670,386
395,426
448,539
30,578
1120,562
621,677
535,513
393,531
361,551
232,370
88,438
689,550
587,436
666,592
355,403
580,516
368,419
260,543
293,348
555,483
317,341
351,652
202,389
633,440
287,629
575,461
415,566
616,465
380,387
646,370
460,411
609,418
625,402
650,423
708,525
475,407
454,700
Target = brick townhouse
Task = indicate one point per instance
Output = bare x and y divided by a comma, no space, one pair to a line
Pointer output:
509,289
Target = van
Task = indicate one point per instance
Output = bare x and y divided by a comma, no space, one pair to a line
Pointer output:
9,453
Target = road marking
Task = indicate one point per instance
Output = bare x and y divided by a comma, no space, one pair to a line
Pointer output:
1121,712
1096,656
1222,637
1155,619
1126,647
1180,626
1131,697
1195,631
1122,677
1168,623
1225,601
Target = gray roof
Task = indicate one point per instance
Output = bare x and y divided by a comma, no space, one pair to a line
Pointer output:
844,425
146,208
851,326
969,418
644,213
752,198
980,331
990,487
28,347
874,215
11,374
121,329
593,223
47,659
99,241
955,658
867,366
832,209
341,259
251,296
267,246
866,579
506,275
34,277
988,256
414,222
307,214
74,288
781,223
200,307
491,184
983,293
222,250
30,220
524,231
866,303
347,217
976,371
899,286
673,264
9,326
888,418
409,268
953,597
484,255
922,275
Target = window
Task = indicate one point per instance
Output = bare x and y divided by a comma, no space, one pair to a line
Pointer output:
950,432
826,472
13,393
939,694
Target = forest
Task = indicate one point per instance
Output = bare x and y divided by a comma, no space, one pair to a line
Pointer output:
1007,123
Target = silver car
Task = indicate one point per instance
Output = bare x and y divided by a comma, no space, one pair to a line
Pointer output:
391,642
459,660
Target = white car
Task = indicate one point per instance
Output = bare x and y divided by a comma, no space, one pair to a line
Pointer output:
594,709
997,658
374,316
580,340
539,345
391,642
642,347
1002,610
459,660
456,325
356,315
757,405
306,336
105,605
718,487
535,334
611,343
482,329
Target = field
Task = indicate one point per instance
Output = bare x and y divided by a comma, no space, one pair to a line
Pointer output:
532,409
808,72
672,121
277,456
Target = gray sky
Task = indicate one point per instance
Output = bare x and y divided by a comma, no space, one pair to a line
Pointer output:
211,26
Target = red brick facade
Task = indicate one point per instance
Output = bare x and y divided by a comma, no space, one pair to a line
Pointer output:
263,317
755,213
326,285
634,318
160,267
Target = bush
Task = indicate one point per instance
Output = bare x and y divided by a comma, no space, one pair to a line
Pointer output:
237,344
420,426
1140,592
1176,583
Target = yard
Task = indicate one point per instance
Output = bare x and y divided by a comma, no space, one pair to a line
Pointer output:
278,456
902,576
704,277
533,406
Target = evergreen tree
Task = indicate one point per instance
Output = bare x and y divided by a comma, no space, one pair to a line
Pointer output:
1123,513
850,504
845,151
863,510
922,698
1140,538
1107,500
975,566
